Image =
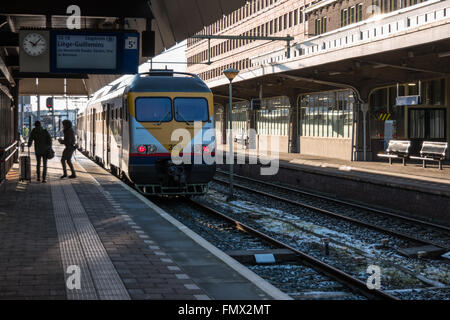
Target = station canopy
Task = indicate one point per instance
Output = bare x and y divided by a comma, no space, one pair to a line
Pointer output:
172,20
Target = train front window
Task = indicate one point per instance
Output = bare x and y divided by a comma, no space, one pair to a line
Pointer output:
153,109
191,109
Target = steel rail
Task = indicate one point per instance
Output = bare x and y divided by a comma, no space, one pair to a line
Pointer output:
9,148
355,205
10,156
339,216
340,276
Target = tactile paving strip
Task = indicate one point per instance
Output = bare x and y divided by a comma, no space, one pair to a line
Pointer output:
81,246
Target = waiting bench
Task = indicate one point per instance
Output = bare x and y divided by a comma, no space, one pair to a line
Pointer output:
397,149
432,151
241,138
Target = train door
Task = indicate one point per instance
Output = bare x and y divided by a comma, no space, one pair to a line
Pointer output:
121,116
93,130
108,134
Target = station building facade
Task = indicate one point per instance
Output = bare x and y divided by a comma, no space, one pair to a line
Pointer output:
322,122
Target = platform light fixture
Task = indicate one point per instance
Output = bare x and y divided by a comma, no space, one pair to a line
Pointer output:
231,73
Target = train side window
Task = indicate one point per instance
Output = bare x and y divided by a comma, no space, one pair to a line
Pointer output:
121,113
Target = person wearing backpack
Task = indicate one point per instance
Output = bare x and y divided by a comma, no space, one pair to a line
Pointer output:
69,142
42,143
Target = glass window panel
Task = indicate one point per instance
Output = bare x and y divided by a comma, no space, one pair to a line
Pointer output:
329,115
349,115
191,109
153,109
341,114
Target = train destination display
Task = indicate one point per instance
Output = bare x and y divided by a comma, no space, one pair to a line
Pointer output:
86,52
94,52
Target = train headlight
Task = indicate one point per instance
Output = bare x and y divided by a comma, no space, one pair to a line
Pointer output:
152,148
206,149
142,149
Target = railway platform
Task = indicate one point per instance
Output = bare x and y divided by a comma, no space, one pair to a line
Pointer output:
407,190
95,238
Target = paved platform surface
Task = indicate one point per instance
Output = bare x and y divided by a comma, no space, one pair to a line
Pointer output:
411,176
122,245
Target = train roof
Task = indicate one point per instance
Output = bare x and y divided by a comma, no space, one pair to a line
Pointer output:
167,81
154,81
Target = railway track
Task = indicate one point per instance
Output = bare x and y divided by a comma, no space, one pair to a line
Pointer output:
281,193
355,285
340,276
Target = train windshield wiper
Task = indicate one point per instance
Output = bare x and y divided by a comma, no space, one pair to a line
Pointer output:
162,119
182,118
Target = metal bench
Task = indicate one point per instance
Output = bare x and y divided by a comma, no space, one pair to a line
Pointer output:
397,149
241,138
432,151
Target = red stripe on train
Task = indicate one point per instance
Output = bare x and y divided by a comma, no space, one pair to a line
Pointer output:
169,154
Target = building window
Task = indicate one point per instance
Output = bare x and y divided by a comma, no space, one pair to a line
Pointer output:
273,118
351,15
320,26
359,11
343,17
328,114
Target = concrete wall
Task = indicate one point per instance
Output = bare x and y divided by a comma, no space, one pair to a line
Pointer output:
326,147
267,143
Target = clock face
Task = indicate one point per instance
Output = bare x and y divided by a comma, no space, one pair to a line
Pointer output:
34,44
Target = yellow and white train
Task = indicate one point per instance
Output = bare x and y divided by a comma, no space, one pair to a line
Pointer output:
129,128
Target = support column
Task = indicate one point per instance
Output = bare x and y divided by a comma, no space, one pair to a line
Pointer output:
363,150
224,123
15,92
293,125
251,125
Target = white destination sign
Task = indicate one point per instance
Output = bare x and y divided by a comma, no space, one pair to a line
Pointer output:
86,52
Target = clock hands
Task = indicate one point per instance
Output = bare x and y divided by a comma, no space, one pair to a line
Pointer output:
35,43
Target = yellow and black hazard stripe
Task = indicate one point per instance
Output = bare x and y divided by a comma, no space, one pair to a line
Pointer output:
384,116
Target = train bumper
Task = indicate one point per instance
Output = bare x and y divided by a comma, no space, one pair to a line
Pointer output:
166,178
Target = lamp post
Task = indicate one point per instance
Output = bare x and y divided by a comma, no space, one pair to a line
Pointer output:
231,74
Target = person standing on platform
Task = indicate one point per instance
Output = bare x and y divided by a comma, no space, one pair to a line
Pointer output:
42,143
69,142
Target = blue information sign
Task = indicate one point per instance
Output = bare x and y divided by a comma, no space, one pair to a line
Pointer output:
94,52
408,101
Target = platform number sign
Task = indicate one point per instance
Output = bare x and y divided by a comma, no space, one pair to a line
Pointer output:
131,43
